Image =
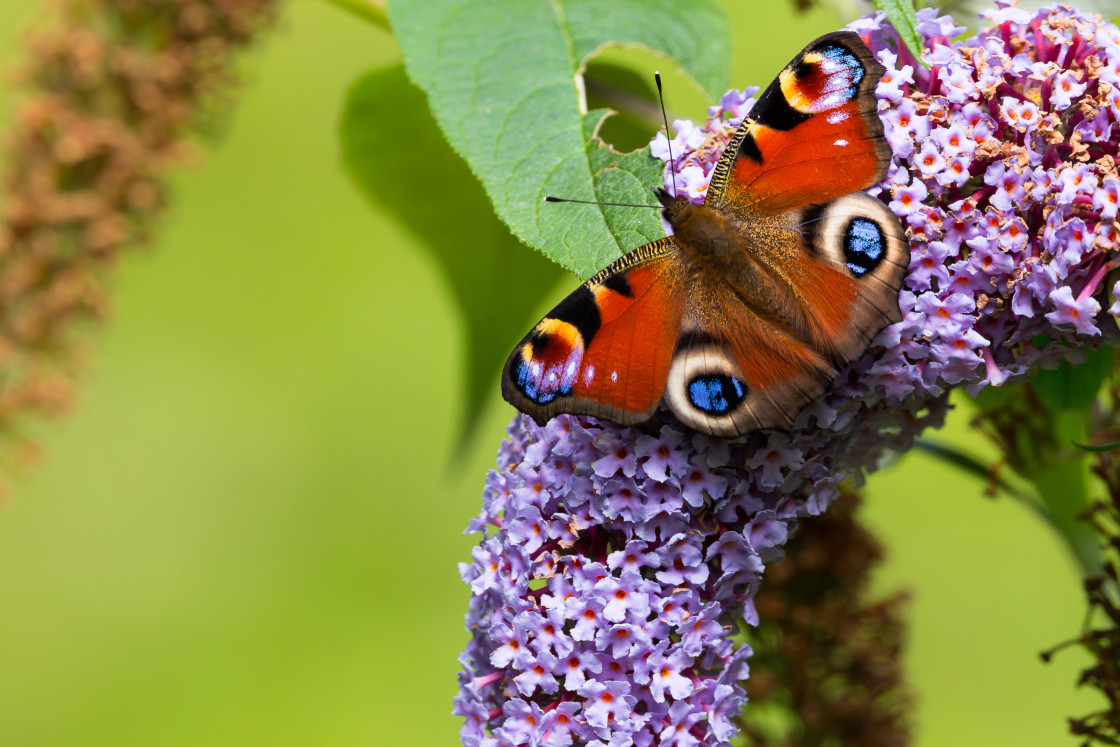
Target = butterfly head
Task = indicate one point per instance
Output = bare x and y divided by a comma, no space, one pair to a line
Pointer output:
698,230
678,211
672,207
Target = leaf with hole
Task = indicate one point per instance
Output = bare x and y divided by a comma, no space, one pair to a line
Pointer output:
504,79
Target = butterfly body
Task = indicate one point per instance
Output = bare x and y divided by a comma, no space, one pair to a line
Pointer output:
747,257
745,313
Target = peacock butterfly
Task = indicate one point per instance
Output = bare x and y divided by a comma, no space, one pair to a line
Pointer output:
745,314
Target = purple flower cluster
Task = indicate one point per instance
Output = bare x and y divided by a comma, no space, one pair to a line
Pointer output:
603,606
1005,174
617,563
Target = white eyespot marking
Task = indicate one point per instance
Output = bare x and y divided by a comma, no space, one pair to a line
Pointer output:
589,374
614,375
836,117
859,234
706,390
841,142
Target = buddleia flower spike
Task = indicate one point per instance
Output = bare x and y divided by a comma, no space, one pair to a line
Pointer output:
616,565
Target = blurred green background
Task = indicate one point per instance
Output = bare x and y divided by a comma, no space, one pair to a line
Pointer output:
246,531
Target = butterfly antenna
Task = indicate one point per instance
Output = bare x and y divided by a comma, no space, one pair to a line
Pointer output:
794,227
803,223
668,140
550,198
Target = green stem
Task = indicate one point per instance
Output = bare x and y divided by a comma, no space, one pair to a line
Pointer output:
848,10
369,10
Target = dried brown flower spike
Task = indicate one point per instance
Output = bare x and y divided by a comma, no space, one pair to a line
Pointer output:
114,90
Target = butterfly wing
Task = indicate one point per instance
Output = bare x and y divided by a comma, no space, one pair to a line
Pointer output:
813,135
605,349
823,262
857,258
760,342
734,371
743,343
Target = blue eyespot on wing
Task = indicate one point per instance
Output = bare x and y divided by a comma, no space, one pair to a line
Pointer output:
715,394
545,366
864,245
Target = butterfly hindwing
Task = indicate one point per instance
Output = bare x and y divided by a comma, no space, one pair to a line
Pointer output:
858,238
813,135
605,349
735,370
744,363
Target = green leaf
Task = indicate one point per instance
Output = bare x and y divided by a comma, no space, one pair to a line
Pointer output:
617,177
1098,448
1070,387
386,133
902,16
504,80
1064,487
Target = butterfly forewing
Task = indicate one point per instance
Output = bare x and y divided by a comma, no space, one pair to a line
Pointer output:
813,135
605,349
